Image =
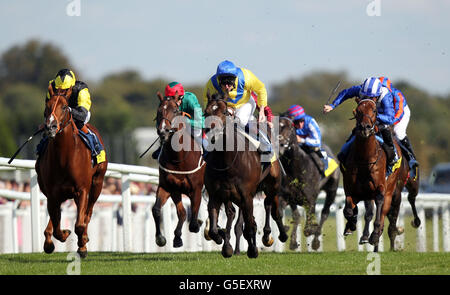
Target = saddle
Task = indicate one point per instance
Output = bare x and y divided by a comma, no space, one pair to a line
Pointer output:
324,163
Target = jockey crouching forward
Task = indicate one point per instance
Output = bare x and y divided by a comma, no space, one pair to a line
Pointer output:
309,137
371,89
79,106
237,85
188,104
401,120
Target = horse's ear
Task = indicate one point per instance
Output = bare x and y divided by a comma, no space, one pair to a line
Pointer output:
208,95
176,95
50,90
159,96
357,100
69,92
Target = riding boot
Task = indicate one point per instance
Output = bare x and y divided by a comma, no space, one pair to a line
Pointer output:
156,153
388,146
412,157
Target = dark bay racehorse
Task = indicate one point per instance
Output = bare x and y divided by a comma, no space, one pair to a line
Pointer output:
181,170
302,183
66,170
364,173
235,176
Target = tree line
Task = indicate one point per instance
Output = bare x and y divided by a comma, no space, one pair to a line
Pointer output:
123,101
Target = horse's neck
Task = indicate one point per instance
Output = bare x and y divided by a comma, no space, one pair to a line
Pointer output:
64,145
366,148
176,157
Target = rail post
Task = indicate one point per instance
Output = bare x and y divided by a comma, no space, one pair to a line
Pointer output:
126,207
35,212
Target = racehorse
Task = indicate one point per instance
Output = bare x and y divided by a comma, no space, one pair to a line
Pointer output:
235,176
302,183
66,170
412,185
364,173
181,171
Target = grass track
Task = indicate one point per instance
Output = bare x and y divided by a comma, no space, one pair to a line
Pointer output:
212,263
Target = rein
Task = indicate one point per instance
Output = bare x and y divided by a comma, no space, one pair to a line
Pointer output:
67,122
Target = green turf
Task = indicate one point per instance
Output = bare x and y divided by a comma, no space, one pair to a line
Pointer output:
212,263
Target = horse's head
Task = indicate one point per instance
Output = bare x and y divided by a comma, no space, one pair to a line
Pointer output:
217,107
366,118
57,112
286,136
168,109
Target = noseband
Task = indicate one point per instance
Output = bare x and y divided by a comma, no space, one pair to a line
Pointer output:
373,123
62,125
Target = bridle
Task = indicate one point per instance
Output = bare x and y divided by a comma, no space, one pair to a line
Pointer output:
371,129
67,116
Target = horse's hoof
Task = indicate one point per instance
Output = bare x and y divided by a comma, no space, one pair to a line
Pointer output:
227,251
315,244
65,234
293,246
82,253
49,248
363,240
267,241
200,222
237,252
307,232
222,232
206,235
216,238
347,232
400,230
415,223
252,252
374,239
160,241
177,242
283,237
194,227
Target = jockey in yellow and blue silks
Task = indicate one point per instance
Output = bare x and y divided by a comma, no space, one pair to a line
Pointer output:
372,88
237,85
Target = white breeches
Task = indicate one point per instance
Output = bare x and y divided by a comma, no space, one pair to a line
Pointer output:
245,112
400,128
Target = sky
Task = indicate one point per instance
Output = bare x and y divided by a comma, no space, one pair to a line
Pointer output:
185,40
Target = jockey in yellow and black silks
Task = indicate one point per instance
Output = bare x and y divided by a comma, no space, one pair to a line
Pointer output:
79,101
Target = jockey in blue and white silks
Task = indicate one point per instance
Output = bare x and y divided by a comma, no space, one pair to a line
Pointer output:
372,88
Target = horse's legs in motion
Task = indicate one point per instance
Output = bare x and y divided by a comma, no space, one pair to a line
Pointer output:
311,226
383,205
393,230
351,214
329,200
249,226
238,229
181,213
213,213
161,197
368,215
277,215
296,221
80,225
267,239
413,190
96,188
227,250
194,223
53,227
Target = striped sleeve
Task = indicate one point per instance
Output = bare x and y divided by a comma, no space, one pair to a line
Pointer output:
314,137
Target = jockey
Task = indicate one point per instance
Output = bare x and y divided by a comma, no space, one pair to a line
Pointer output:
308,133
79,101
237,84
372,89
402,115
187,103
79,106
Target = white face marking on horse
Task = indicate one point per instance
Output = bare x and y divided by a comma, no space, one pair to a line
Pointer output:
163,125
165,107
215,108
51,119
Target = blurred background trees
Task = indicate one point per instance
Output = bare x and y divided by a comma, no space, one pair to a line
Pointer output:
124,101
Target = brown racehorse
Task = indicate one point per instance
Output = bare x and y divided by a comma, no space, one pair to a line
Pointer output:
235,176
66,170
181,171
364,173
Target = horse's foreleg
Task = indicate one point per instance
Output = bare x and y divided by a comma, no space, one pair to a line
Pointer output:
80,225
296,221
181,213
393,230
277,215
368,215
54,210
96,188
227,250
195,223
267,239
250,226
413,190
351,214
381,203
49,247
311,226
213,214
238,229
329,200
161,197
